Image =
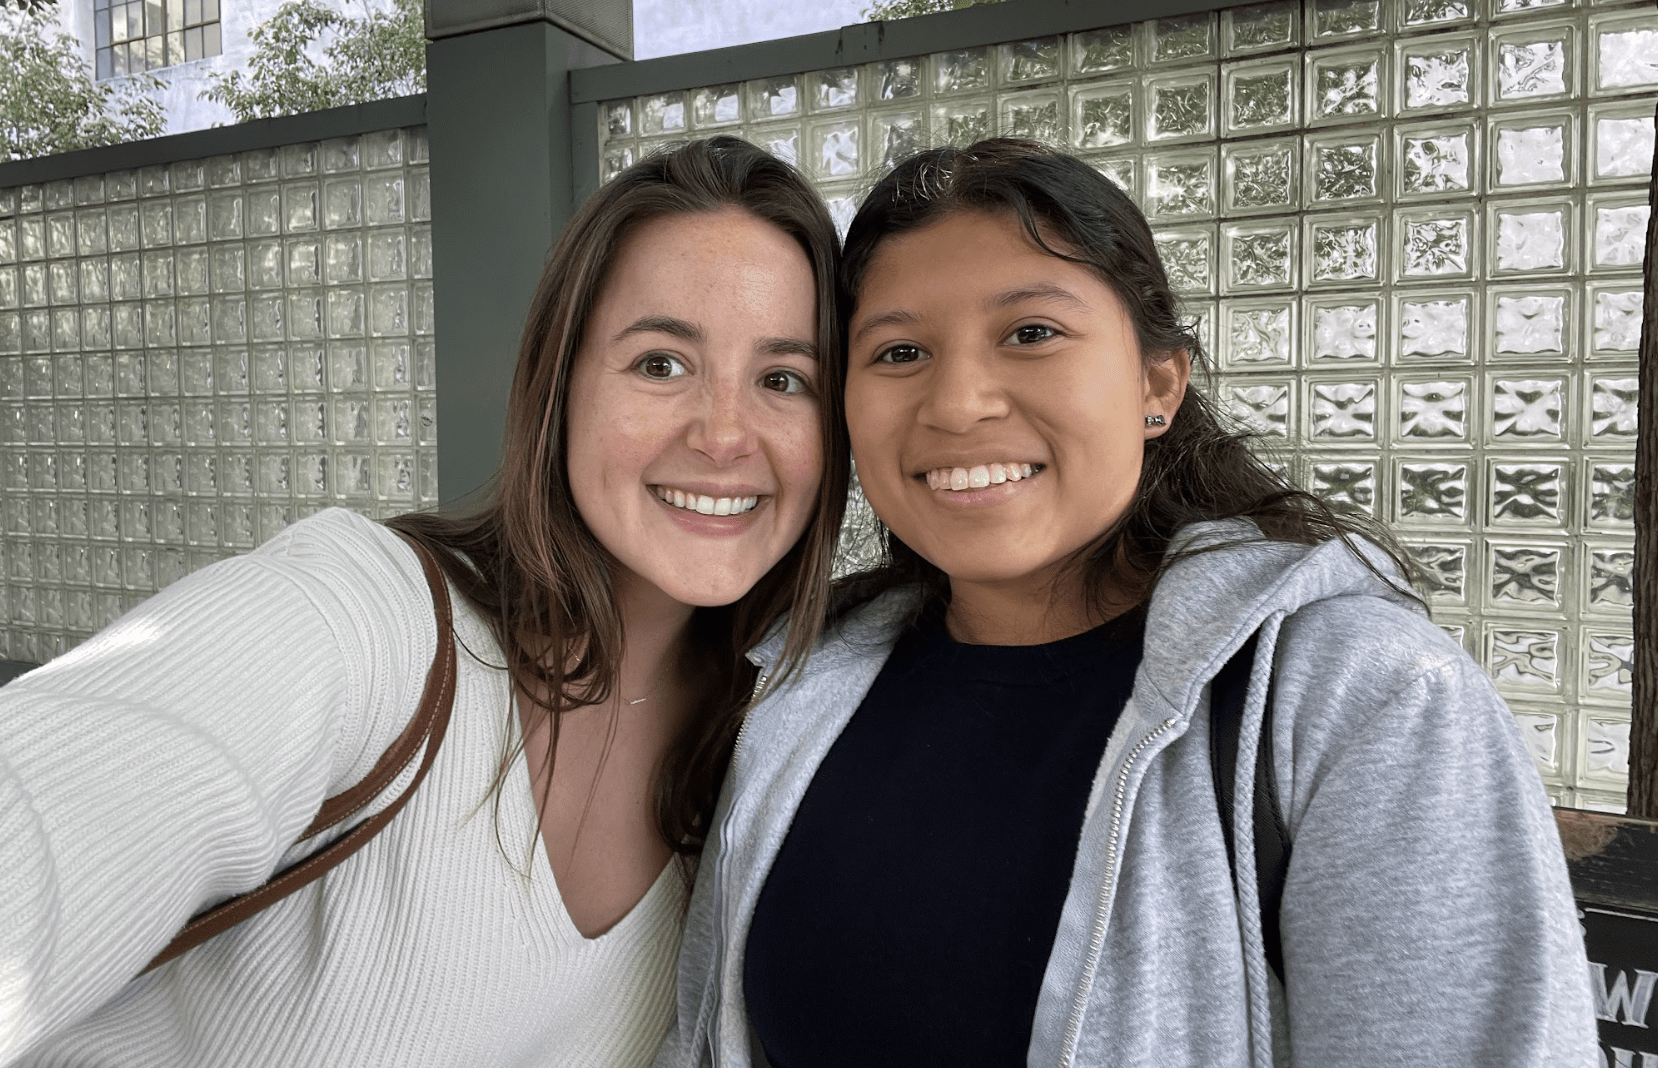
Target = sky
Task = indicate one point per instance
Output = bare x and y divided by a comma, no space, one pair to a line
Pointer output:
669,27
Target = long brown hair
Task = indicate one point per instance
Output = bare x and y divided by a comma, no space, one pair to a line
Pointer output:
1198,469
527,562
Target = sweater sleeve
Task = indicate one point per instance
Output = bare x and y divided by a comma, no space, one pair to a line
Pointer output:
1427,915
172,760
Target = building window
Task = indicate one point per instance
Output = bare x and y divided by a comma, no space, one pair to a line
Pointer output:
140,35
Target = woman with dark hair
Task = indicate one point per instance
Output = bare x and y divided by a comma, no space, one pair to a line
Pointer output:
675,470
1009,812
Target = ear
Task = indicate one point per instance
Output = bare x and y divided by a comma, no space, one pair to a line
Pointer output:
1164,388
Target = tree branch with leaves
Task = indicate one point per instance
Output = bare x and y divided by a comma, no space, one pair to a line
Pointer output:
308,57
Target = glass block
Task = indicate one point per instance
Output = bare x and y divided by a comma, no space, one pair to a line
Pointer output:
1102,114
1527,659
1344,168
1261,175
1624,52
1098,51
1608,667
387,256
770,98
960,72
353,475
896,79
1612,495
962,124
125,232
616,160
663,113
1615,325
1620,142
1610,585
92,232
719,105
1444,569
1346,85
1534,150
616,118
190,220
1534,63
1344,18
1188,259
1435,243
190,271
1035,60
382,149
1527,408
383,199
236,473
1259,256
1263,408
781,141
1433,410
158,273
1433,492
1260,27
1525,575
1180,107
1034,116
1342,411
1183,37
61,282
1612,401
1618,228
1528,493
264,211
1438,72
1435,12
1529,323
1606,749
234,424
60,234
1261,96
1343,249
1179,184
338,259
155,220
1351,483
342,203
1531,237
1258,334
834,149
420,195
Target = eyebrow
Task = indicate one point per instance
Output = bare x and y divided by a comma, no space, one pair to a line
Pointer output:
663,324
891,318
686,331
1044,291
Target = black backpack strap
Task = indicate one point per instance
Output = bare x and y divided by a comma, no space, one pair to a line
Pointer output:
1271,837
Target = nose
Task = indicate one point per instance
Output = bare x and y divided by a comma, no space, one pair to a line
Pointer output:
726,430
961,391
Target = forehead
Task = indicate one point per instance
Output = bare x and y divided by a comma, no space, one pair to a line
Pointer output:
705,260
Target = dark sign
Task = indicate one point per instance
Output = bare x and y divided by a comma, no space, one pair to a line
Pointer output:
1623,969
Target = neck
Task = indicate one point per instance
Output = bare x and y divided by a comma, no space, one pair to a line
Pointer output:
655,629
1030,610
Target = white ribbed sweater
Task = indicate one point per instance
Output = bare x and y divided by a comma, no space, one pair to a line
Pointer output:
173,760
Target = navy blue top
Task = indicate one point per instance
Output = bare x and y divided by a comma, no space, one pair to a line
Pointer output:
910,912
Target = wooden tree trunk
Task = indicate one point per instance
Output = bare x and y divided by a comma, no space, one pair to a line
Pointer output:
1643,729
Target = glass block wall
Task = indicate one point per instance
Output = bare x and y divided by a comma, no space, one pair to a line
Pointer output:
1412,232
194,355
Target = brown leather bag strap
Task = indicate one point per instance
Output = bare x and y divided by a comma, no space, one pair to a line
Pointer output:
430,722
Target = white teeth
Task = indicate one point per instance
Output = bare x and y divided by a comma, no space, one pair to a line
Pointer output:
979,476
705,505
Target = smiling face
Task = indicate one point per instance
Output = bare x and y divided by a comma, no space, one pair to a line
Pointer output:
997,403
694,445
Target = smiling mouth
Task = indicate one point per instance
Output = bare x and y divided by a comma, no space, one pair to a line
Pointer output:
960,479
703,504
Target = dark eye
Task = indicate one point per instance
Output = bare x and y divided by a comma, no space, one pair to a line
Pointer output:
899,354
782,380
1033,334
660,366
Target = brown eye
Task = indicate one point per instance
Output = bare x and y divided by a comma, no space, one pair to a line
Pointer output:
660,367
780,381
899,354
1033,334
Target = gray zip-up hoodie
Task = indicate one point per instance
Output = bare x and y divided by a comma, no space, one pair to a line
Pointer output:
1427,919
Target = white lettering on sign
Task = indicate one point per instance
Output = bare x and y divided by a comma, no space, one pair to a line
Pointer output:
1624,1058
1612,1000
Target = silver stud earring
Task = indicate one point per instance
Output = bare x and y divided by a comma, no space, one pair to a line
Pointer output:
1155,420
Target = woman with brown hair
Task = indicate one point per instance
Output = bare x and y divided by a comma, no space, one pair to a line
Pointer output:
675,468
1132,754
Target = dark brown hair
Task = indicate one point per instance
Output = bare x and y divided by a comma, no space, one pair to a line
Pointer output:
1196,470
527,562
